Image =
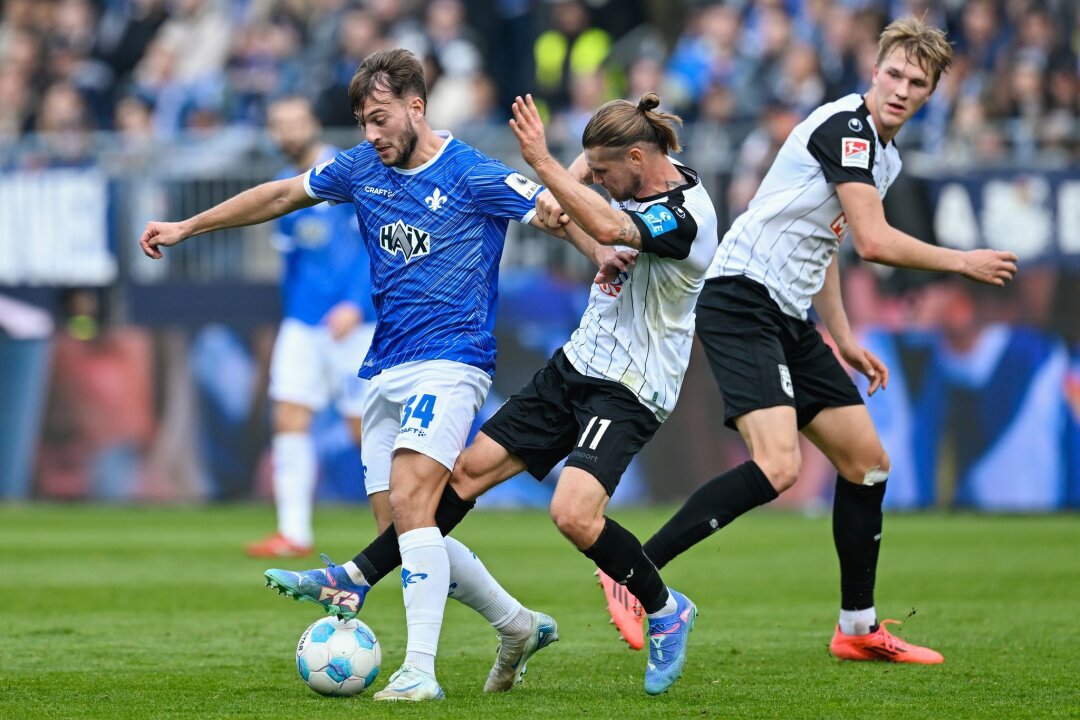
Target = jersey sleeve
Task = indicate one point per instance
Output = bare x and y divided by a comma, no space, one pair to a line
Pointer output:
330,180
844,146
668,230
501,192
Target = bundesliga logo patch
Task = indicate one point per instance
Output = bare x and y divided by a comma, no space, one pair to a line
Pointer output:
856,153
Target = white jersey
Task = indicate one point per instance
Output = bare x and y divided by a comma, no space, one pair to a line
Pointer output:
787,237
638,330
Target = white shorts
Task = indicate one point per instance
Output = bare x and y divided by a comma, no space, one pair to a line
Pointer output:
427,406
310,368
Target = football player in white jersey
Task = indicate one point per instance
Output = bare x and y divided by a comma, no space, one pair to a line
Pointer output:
777,375
433,213
604,394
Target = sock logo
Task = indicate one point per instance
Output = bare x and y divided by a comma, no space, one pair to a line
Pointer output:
411,578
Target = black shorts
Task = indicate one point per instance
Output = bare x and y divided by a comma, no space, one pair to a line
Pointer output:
598,423
762,357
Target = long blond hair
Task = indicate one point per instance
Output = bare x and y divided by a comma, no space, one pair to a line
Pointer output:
621,123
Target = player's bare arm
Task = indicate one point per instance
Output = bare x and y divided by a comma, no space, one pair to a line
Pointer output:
877,241
829,304
584,206
609,261
251,207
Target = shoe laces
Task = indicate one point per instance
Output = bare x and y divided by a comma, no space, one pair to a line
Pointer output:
890,641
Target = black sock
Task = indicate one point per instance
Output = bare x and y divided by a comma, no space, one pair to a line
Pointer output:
857,522
711,507
383,556
618,553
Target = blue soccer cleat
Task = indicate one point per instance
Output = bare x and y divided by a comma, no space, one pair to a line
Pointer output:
667,645
330,588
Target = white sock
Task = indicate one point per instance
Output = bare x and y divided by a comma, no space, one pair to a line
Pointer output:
471,584
857,622
669,608
295,473
425,573
355,573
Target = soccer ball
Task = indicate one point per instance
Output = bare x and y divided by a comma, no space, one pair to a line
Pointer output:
338,657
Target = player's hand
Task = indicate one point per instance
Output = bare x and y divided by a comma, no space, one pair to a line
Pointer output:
342,319
161,234
993,267
529,130
549,211
868,364
613,263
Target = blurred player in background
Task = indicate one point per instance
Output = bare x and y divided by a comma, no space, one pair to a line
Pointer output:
777,375
328,323
433,212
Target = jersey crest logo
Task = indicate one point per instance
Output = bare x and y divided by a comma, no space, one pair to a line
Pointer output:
435,200
411,242
856,153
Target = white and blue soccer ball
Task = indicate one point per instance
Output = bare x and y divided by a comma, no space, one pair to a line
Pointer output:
338,657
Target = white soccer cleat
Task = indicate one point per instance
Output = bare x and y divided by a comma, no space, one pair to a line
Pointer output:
514,652
412,685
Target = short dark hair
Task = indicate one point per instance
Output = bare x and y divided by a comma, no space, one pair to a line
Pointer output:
396,71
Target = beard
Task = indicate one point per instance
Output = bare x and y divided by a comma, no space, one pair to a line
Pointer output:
409,141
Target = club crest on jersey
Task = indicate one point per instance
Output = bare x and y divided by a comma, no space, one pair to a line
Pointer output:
411,242
435,200
856,153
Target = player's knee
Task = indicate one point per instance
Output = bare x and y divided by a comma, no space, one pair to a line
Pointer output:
782,469
466,479
573,522
872,469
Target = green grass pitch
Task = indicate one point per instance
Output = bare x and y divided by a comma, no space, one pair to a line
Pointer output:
154,613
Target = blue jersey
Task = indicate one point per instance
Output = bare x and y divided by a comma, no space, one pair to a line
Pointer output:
325,260
435,237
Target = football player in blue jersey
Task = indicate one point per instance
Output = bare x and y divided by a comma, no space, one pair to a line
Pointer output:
433,213
328,323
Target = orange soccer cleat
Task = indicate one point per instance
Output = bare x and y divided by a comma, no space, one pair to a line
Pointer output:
277,546
625,610
881,645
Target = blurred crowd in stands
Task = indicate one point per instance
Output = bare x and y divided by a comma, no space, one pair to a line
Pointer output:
153,70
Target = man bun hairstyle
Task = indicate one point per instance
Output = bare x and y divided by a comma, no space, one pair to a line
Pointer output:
396,71
620,124
923,44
